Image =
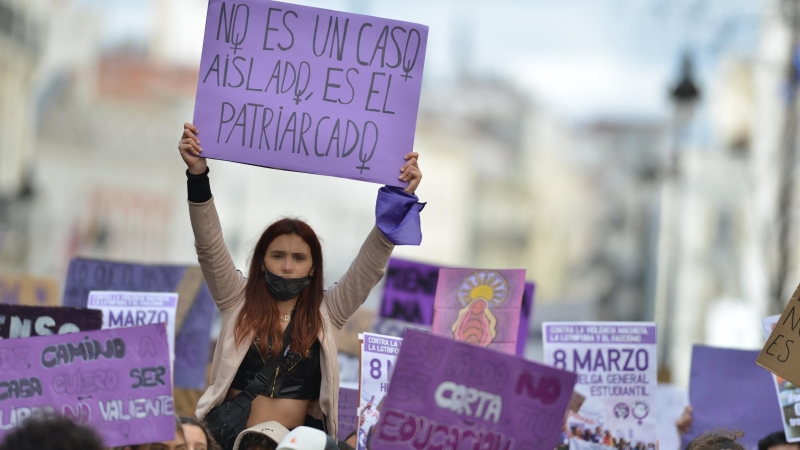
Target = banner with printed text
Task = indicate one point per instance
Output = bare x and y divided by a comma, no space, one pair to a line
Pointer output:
132,309
617,374
378,356
308,89
20,321
194,313
116,381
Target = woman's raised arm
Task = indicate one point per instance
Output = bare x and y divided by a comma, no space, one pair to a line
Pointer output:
223,280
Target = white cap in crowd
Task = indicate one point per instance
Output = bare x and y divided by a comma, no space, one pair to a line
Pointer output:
271,429
307,438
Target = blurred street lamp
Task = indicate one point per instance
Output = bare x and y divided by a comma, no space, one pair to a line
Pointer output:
685,96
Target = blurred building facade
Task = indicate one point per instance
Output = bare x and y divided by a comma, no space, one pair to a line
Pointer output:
89,166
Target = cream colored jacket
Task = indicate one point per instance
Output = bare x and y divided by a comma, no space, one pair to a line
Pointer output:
227,286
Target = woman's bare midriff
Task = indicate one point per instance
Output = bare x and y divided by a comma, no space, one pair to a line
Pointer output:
289,412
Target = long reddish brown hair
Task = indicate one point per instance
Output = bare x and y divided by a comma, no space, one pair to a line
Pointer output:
259,316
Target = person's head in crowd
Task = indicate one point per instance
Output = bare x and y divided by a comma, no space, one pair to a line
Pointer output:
56,433
717,440
197,435
264,436
177,443
351,438
307,438
777,441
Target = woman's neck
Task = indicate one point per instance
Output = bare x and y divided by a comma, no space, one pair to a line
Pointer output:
286,307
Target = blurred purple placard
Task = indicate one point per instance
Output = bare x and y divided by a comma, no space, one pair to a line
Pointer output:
309,89
457,395
728,390
525,318
18,321
480,306
116,381
192,340
409,292
348,404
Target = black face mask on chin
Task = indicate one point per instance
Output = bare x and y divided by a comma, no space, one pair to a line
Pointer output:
283,289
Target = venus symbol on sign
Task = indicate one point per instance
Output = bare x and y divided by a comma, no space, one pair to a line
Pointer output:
230,25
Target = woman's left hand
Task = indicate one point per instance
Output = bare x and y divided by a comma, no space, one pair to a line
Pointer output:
411,173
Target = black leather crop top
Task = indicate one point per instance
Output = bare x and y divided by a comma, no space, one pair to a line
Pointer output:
295,377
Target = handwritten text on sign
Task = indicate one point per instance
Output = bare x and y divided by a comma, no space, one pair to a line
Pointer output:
308,89
18,321
409,291
116,381
458,395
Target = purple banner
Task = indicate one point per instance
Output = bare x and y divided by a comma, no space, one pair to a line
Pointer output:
728,390
192,340
18,321
116,381
309,89
480,306
348,405
409,291
452,394
525,318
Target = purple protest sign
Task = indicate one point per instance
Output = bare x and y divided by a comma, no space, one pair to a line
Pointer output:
309,89
728,390
116,381
409,291
480,306
525,318
348,405
191,341
19,321
458,395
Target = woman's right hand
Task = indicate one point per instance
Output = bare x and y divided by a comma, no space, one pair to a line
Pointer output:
190,150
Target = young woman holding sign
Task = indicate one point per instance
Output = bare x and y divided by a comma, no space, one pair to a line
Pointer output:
276,357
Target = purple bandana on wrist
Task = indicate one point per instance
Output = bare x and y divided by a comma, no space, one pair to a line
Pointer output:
397,215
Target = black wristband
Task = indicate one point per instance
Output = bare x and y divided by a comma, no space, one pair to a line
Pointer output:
199,187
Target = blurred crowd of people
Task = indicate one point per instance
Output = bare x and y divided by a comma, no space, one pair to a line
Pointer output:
59,433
